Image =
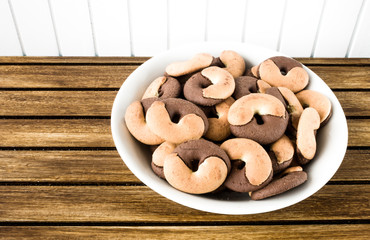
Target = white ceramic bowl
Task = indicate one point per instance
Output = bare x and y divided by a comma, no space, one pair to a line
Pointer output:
331,139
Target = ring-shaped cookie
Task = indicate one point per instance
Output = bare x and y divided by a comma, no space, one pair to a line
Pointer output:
247,112
209,87
281,154
318,101
234,63
284,72
251,165
176,120
163,87
294,106
291,179
136,122
219,127
197,167
159,155
308,124
196,63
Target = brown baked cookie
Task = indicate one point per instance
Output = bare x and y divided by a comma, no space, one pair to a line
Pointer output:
209,87
282,71
136,122
163,87
260,117
251,165
280,185
176,120
293,107
197,166
308,124
274,91
219,127
281,153
244,85
159,155
318,101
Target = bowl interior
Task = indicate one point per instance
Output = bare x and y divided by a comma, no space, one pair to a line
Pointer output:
331,139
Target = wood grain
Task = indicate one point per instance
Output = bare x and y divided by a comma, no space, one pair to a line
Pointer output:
73,167
57,103
64,166
140,60
55,133
133,204
354,77
97,133
293,232
99,103
63,76
112,76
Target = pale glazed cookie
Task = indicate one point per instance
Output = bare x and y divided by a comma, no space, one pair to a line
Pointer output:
209,87
284,72
318,101
219,127
234,63
291,179
306,135
245,123
251,165
176,120
137,125
281,153
198,62
294,107
163,87
197,166
158,156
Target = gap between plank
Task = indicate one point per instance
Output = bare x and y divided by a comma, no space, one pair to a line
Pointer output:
189,224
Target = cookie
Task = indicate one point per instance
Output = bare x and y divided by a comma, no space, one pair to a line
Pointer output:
251,165
197,167
176,120
260,117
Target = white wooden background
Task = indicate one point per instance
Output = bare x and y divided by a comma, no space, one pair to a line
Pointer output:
299,28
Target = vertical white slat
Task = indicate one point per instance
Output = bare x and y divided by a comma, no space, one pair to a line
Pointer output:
187,21
148,24
361,39
73,27
225,20
35,27
111,27
300,26
9,42
263,22
336,28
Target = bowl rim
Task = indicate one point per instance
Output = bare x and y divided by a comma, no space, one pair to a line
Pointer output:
201,202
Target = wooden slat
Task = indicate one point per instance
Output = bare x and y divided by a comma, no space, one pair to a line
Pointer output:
76,60
56,133
140,60
57,103
107,167
335,231
99,103
62,76
354,77
96,132
64,166
112,76
140,204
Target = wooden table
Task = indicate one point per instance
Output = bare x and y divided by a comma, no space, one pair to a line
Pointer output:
61,177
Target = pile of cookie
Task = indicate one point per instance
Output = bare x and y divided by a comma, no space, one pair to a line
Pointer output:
215,125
